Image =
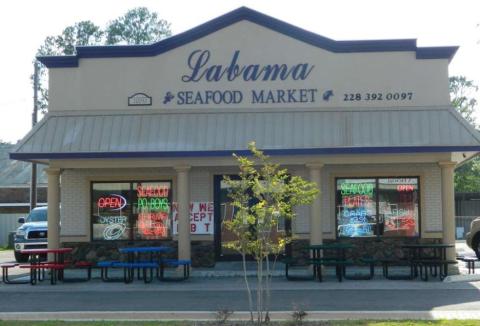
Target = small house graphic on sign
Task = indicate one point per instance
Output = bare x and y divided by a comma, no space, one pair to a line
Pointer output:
139,99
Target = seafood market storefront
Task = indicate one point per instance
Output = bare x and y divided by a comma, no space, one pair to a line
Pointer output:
137,138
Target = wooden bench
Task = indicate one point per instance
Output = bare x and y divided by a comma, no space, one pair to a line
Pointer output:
186,263
5,276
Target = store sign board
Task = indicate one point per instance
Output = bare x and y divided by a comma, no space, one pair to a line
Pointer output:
201,218
281,83
248,66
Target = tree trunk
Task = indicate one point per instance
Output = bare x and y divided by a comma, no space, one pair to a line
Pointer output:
259,289
249,292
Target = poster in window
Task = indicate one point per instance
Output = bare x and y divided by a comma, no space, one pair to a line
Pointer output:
201,218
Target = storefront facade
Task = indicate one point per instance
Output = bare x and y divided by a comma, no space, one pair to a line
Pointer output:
138,137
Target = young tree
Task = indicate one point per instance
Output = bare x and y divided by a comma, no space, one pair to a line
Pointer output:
263,196
137,26
462,90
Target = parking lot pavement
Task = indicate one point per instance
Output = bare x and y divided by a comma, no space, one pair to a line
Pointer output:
201,296
214,294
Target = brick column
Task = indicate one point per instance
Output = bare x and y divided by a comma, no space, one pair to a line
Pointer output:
448,206
183,200
53,197
316,230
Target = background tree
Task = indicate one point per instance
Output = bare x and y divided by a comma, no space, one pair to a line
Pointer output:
262,197
137,26
462,90
79,34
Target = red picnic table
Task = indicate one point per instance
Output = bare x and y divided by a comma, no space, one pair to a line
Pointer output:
37,266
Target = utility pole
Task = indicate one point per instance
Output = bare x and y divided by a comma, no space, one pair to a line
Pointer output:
33,183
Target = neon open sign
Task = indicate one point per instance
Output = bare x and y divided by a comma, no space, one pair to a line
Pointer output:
112,201
401,188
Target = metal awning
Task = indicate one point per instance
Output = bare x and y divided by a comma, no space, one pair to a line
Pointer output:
150,133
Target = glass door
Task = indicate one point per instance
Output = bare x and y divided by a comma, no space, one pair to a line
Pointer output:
225,211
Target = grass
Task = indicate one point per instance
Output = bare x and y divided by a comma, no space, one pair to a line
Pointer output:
181,323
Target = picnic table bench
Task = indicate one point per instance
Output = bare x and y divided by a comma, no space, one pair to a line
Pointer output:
470,260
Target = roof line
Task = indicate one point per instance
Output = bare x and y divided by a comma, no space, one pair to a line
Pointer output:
474,132
31,133
244,13
223,153
248,110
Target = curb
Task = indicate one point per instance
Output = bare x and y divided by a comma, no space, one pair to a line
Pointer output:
240,316
462,278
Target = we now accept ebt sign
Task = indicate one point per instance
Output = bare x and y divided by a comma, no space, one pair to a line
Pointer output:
201,217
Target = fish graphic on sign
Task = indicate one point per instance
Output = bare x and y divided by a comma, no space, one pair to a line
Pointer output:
168,97
327,95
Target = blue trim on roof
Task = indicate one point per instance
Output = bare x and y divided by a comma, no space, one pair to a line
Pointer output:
436,52
223,153
244,13
59,61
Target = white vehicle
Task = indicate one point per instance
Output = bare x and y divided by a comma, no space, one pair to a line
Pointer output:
32,234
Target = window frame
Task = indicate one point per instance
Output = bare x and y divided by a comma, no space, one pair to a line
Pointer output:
131,219
377,206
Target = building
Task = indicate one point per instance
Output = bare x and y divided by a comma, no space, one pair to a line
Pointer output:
15,180
132,129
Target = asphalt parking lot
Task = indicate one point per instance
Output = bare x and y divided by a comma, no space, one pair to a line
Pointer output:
379,297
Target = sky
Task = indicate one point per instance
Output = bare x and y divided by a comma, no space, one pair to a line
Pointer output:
25,24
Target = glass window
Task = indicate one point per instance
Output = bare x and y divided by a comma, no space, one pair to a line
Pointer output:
111,211
151,210
367,207
356,207
131,210
398,204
